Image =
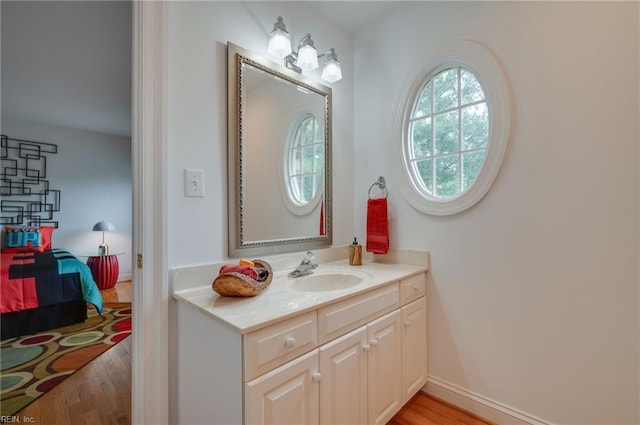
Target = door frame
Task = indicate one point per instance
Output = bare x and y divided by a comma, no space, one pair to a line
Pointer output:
150,362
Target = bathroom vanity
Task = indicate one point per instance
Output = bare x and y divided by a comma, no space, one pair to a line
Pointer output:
343,345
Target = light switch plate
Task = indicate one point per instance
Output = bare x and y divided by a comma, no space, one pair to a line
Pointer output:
193,183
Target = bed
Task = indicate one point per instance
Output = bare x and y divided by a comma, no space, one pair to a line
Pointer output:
42,288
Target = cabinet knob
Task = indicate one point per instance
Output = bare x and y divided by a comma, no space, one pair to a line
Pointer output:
290,342
407,323
374,342
366,347
316,377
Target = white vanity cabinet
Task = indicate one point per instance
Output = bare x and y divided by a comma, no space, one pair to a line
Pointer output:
287,395
353,361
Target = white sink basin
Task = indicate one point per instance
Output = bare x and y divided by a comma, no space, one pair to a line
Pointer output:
328,281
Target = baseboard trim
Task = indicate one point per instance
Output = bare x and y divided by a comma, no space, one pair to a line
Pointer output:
124,277
479,405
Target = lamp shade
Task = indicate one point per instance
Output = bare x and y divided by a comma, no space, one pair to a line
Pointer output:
279,40
104,226
307,54
332,71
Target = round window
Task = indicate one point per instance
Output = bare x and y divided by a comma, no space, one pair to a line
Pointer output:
454,126
448,134
304,164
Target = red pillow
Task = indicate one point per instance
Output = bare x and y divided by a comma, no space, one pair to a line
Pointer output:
27,238
46,232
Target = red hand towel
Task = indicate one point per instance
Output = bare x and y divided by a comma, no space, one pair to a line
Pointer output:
377,226
322,232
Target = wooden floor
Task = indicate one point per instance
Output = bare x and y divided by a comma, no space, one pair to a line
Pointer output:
423,409
100,392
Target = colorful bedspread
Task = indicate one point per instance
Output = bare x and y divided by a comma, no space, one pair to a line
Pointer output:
37,279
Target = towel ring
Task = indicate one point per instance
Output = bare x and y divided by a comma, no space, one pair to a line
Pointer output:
382,184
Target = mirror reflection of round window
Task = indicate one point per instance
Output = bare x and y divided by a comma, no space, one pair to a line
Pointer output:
305,161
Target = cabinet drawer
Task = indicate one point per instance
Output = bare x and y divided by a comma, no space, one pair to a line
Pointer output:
344,316
270,347
413,288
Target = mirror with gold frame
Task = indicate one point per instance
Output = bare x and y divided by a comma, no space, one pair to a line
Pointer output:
279,158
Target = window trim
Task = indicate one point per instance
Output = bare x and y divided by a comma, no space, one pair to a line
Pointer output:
477,59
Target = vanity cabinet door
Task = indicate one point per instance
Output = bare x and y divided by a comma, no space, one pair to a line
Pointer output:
414,348
384,368
286,395
343,389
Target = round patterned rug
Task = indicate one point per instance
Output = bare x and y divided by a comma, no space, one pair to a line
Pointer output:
33,364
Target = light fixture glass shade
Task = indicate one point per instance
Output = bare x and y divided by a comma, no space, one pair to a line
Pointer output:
279,44
332,70
306,57
307,54
279,40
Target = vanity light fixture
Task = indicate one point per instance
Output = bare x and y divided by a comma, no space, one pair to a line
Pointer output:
279,41
306,57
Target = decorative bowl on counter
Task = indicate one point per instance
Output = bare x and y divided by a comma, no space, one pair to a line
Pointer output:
235,284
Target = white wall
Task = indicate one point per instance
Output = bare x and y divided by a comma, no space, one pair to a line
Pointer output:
197,34
93,173
533,295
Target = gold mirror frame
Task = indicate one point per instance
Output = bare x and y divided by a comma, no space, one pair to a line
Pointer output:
239,244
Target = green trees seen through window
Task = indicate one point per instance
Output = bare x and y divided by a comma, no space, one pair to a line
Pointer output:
448,133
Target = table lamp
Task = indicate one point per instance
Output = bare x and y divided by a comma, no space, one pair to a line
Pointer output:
103,226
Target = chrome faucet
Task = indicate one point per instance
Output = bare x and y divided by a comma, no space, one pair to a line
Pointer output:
306,266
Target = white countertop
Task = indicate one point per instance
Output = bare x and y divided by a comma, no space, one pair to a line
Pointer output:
279,301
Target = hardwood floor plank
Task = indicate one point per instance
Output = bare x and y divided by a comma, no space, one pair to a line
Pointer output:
71,395
75,409
91,417
61,412
96,376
